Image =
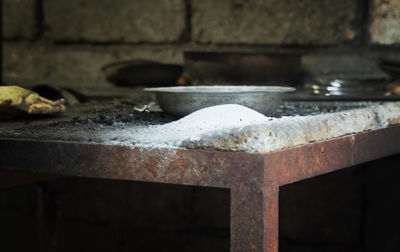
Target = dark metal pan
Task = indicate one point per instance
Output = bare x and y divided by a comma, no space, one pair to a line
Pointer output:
142,72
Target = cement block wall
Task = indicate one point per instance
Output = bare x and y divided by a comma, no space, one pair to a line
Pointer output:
67,42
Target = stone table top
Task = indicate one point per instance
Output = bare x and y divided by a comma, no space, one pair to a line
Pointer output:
241,129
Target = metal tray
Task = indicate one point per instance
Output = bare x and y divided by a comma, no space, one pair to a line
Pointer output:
183,100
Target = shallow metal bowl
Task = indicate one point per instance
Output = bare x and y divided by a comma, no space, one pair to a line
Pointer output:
183,100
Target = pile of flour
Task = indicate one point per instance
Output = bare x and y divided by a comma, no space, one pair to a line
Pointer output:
204,122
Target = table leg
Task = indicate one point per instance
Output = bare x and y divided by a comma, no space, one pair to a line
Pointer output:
254,219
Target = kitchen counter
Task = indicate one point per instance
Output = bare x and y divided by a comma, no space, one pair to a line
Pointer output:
252,156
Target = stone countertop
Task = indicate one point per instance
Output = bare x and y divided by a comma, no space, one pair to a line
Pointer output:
293,131
293,124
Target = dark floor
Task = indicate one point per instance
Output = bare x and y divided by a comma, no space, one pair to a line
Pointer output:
355,209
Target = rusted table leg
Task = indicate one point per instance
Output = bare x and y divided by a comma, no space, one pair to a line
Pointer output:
254,219
271,217
246,219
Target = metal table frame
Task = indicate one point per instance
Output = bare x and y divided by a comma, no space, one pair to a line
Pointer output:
253,178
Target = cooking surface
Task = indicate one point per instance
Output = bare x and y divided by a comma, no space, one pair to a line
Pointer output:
86,121
117,122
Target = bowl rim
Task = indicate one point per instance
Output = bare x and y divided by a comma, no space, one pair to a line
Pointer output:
220,89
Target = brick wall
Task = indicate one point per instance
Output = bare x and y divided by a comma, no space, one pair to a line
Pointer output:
67,42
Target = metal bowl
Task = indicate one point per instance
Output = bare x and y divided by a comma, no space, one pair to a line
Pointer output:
183,100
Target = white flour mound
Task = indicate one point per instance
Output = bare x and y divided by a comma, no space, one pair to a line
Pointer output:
215,118
193,127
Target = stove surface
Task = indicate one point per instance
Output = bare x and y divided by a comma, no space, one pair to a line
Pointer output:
117,122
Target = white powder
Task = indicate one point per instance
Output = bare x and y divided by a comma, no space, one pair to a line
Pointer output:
193,127
215,118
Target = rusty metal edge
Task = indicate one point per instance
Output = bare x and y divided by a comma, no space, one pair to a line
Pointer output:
295,164
174,166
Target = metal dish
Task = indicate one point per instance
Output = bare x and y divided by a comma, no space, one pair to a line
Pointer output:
181,101
346,84
142,72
